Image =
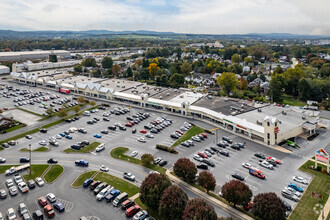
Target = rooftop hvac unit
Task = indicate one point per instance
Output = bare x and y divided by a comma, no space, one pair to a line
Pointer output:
259,110
259,122
303,117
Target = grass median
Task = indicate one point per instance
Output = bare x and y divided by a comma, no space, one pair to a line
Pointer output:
80,180
119,153
36,171
118,183
40,149
53,173
194,130
320,185
89,148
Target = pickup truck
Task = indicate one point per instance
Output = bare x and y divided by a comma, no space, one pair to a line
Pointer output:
82,163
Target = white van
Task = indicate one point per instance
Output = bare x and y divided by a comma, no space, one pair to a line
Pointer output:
86,113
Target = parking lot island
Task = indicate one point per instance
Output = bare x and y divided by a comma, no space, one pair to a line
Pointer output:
53,173
89,148
37,170
80,179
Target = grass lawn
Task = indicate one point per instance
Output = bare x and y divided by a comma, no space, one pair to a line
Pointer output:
87,149
1,148
152,212
14,128
3,168
40,149
80,180
118,183
319,185
53,173
36,171
289,100
186,136
119,153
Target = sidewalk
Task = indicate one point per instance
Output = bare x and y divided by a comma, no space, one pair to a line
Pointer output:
209,198
134,196
326,210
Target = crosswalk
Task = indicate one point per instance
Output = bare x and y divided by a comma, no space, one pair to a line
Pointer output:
134,141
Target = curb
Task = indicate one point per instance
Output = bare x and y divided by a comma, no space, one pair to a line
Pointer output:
77,187
56,177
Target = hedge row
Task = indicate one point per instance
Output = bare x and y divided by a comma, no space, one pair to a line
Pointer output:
166,148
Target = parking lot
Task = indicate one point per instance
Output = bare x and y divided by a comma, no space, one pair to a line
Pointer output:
275,181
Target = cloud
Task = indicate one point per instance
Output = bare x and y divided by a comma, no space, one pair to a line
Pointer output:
183,16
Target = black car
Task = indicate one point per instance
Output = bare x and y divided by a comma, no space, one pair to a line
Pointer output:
97,119
68,120
134,131
37,215
81,130
208,162
215,149
76,146
154,130
31,184
90,122
260,155
52,160
162,163
287,206
5,145
235,146
24,160
225,153
202,166
122,128
102,108
76,118
43,130
185,144
129,118
230,141
237,176
175,136
112,128
105,132
220,144
106,119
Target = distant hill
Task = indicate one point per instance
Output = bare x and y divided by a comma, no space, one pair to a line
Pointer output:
10,34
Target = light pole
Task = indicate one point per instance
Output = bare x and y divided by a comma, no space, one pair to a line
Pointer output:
30,157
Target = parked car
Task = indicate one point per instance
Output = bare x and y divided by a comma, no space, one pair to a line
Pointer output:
157,160
266,165
23,187
162,163
202,166
11,215
126,204
296,187
13,191
227,139
237,176
132,210
246,165
49,212
31,184
39,181
134,153
59,207
97,136
141,215
3,194
300,179
42,201
51,197
198,158
99,148
260,155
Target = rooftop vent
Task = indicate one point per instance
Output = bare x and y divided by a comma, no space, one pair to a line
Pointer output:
259,110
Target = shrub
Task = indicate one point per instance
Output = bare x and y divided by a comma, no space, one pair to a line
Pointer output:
166,148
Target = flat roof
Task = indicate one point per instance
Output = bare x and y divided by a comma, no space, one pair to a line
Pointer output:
292,119
120,85
17,53
167,93
81,79
190,97
219,104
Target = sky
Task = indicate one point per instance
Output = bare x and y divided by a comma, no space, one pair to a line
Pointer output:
180,16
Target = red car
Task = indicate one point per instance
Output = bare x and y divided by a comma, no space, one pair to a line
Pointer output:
49,211
132,122
202,154
274,159
248,206
128,124
132,210
42,201
143,131
204,135
180,132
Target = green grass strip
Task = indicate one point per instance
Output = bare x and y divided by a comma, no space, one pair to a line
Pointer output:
53,173
119,153
3,168
40,149
153,212
36,171
194,130
87,149
118,183
80,180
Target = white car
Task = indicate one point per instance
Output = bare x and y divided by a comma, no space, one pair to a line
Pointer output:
266,165
11,214
195,138
142,139
100,148
9,183
43,143
153,171
58,136
246,165
104,168
23,187
149,135
198,158
294,192
39,181
103,193
13,190
18,178
300,179
134,153
22,209
51,197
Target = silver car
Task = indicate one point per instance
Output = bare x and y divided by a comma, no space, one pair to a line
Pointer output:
266,165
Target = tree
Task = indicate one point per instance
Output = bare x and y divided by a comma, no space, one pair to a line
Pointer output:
77,68
107,62
153,69
129,72
81,99
116,69
199,209
278,70
243,84
185,68
206,180
276,85
92,103
173,203
147,159
325,70
262,77
53,58
248,60
76,108
176,80
236,58
236,192
62,113
50,111
235,68
304,89
268,206
152,189
228,82
292,77
97,73
89,62
144,74
214,66
138,63
185,169
163,80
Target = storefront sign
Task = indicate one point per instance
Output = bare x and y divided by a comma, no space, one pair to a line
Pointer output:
322,155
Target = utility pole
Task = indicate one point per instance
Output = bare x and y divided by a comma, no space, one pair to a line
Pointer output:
30,157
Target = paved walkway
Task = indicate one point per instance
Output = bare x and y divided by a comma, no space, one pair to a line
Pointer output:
134,196
209,198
